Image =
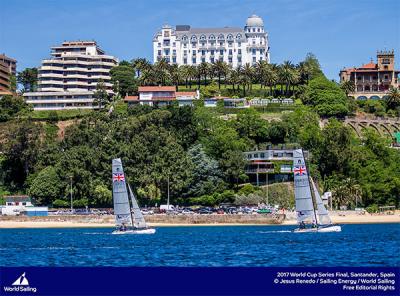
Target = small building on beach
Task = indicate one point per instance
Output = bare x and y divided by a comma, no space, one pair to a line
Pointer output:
21,205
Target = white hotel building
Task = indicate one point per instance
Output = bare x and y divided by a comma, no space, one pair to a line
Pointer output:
192,46
68,79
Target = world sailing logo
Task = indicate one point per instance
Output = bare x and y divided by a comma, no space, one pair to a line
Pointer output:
21,281
21,284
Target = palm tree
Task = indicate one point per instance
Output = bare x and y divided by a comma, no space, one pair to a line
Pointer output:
347,87
287,75
234,77
147,77
192,71
304,71
184,73
348,192
270,77
261,68
140,65
161,71
204,70
220,69
393,98
174,75
248,75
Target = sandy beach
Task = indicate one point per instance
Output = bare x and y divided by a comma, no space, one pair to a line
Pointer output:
107,221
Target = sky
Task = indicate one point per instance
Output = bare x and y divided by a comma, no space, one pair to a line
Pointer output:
341,33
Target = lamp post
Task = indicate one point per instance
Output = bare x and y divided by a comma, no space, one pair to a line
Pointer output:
72,208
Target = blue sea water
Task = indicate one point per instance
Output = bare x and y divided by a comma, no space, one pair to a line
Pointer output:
356,245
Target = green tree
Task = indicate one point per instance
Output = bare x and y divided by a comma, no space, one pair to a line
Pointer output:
393,98
103,196
123,76
206,175
28,78
46,187
101,96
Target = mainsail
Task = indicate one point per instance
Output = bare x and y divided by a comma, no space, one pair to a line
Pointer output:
122,210
323,216
138,219
302,191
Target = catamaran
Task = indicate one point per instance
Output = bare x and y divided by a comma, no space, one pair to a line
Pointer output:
128,217
309,218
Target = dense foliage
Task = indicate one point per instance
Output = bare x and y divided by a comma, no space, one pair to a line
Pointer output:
195,150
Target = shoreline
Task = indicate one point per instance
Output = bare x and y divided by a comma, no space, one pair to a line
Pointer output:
18,223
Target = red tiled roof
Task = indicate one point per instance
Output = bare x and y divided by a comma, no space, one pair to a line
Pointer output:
131,98
156,88
370,65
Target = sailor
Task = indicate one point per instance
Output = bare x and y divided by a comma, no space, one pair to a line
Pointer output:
122,227
302,225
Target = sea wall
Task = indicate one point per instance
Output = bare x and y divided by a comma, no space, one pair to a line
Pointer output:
159,219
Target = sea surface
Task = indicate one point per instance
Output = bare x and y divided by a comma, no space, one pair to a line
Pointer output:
356,245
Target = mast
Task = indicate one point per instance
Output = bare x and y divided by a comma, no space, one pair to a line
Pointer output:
130,206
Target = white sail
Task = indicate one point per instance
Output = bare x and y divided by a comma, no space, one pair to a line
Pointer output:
323,215
138,219
302,191
122,210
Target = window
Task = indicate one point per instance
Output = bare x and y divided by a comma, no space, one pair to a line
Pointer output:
262,155
254,29
239,59
166,33
254,59
203,52
230,60
255,155
174,52
212,60
194,61
24,203
185,61
212,52
221,52
174,59
230,52
258,30
203,60
254,51
173,44
239,51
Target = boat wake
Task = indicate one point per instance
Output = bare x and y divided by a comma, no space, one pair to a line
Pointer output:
274,231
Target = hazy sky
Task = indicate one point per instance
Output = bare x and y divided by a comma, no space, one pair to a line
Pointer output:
339,32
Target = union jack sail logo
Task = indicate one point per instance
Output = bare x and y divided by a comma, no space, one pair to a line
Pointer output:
300,170
118,177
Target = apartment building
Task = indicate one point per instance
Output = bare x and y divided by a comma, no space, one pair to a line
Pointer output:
69,78
8,68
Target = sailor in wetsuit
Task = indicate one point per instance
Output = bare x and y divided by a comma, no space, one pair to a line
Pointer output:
302,225
122,227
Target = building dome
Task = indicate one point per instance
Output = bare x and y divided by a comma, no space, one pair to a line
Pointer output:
254,21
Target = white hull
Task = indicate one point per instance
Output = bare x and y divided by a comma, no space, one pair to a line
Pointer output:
136,231
332,228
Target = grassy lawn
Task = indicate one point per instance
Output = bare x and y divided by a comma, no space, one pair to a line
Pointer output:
58,114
